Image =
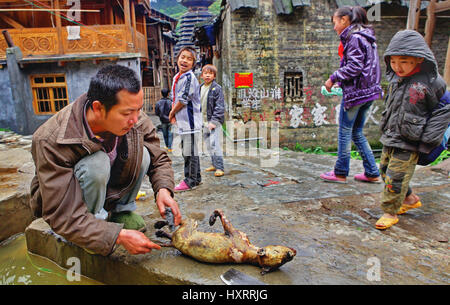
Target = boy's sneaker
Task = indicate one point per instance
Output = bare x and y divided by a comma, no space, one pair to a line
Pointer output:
130,220
331,177
170,150
210,169
219,173
182,186
363,178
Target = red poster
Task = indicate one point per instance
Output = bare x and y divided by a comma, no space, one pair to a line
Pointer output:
243,80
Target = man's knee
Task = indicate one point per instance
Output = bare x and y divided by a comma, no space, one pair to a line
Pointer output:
94,168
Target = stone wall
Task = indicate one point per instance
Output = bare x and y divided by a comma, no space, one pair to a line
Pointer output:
304,43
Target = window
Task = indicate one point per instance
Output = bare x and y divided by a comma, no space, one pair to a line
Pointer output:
49,93
293,85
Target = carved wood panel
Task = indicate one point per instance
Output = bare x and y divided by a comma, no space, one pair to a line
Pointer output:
101,39
41,41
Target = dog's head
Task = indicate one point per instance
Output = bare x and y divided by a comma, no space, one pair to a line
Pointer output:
272,257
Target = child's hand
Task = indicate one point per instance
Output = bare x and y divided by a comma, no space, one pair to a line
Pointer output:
328,85
172,118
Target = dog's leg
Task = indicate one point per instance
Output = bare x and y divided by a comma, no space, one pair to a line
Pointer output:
226,224
161,233
160,224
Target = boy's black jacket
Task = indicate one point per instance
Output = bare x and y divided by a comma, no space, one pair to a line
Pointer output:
215,106
412,120
163,108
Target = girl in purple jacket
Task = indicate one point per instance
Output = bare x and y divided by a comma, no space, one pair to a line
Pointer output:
359,77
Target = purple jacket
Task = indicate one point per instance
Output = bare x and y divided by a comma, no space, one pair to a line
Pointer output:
360,73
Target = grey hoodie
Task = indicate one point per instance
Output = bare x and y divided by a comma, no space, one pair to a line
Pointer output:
411,119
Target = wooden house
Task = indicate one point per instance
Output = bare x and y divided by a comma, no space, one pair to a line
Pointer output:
161,68
56,46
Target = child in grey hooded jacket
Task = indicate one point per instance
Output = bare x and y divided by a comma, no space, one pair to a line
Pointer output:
411,122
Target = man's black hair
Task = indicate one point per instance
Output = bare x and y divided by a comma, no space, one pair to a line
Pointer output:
165,92
108,81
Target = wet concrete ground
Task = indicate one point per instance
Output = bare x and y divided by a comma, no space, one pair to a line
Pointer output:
331,226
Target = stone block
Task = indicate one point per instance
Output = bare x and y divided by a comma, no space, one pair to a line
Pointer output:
16,172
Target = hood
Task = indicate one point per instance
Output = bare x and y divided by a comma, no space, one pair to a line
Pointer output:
410,43
368,33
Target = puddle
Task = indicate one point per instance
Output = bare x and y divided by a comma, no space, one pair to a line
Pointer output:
19,267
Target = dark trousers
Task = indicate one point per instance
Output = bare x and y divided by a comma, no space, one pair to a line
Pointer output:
189,147
167,134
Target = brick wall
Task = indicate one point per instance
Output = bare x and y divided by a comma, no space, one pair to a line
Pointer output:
304,44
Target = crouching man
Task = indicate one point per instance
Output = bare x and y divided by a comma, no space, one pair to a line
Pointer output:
91,158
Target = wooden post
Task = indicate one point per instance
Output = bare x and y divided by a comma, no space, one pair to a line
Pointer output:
431,22
127,15
133,23
58,28
109,12
160,43
144,20
413,15
447,65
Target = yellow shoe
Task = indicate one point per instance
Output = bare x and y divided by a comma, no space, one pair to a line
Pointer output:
210,169
406,207
170,150
385,222
219,173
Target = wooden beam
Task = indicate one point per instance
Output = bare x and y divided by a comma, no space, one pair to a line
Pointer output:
413,15
431,22
442,6
44,10
11,22
447,65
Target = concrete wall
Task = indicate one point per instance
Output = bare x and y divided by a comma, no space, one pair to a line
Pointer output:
8,112
270,45
78,75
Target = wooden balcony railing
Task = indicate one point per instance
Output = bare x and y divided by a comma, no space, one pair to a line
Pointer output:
96,39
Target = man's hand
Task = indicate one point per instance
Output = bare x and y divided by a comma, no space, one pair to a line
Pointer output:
328,85
211,126
135,242
163,200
